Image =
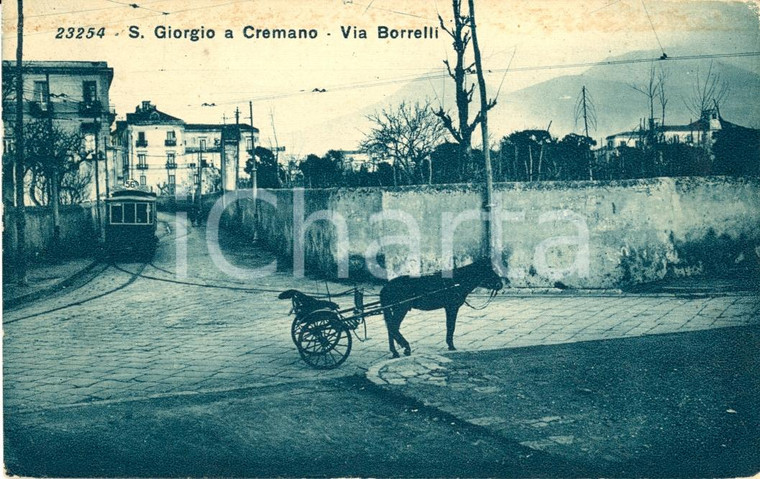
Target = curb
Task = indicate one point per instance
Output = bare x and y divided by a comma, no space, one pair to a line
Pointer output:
34,295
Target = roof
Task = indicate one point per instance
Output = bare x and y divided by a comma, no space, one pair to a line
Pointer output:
64,67
150,115
218,127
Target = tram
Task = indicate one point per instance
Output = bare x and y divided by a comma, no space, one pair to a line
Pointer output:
131,223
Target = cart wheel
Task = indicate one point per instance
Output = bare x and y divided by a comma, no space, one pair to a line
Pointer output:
295,329
323,341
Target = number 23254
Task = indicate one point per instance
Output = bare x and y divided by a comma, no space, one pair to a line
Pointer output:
80,32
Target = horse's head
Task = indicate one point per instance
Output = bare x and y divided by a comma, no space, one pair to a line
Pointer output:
490,279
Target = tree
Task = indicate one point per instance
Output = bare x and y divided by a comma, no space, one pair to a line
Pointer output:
662,77
650,89
585,109
444,163
525,152
406,136
708,92
575,153
737,151
268,171
463,129
322,172
52,154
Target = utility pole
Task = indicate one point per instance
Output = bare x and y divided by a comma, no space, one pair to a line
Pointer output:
96,159
254,179
488,203
54,191
276,149
19,173
105,164
237,150
200,185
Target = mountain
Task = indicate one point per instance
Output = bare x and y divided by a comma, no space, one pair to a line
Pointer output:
617,105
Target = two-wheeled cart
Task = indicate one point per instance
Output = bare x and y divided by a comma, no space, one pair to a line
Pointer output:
324,336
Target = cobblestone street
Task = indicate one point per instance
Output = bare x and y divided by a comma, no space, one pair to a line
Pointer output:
125,336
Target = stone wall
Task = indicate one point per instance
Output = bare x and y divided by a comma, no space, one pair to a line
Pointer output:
78,231
583,234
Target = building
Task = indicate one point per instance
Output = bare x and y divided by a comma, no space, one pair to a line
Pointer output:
355,160
72,96
702,132
171,157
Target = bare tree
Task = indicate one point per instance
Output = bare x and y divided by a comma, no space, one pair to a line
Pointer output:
406,135
708,92
662,77
584,108
463,129
650,89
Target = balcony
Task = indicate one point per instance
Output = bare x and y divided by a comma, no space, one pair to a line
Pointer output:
141,166
170,142
171,165
91,109
205,149
141,143
40,109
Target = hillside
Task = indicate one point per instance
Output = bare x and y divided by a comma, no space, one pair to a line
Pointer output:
618,106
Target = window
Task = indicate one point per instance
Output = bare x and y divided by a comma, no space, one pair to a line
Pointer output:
203,144
8,144
142,180
141,216
141,159
249,144
131,213
89,92
676,139
171,160
141,141
171,138
172,180
41,92
117,213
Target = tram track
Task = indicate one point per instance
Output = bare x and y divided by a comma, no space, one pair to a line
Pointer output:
134,276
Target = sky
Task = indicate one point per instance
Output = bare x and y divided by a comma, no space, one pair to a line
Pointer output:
358,75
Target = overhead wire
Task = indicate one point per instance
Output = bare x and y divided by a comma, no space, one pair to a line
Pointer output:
134,19
653,29
509,69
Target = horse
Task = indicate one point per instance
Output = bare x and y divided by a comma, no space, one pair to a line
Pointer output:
433,291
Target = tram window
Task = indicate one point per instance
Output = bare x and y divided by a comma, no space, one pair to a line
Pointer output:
117,214
142,213
129,213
